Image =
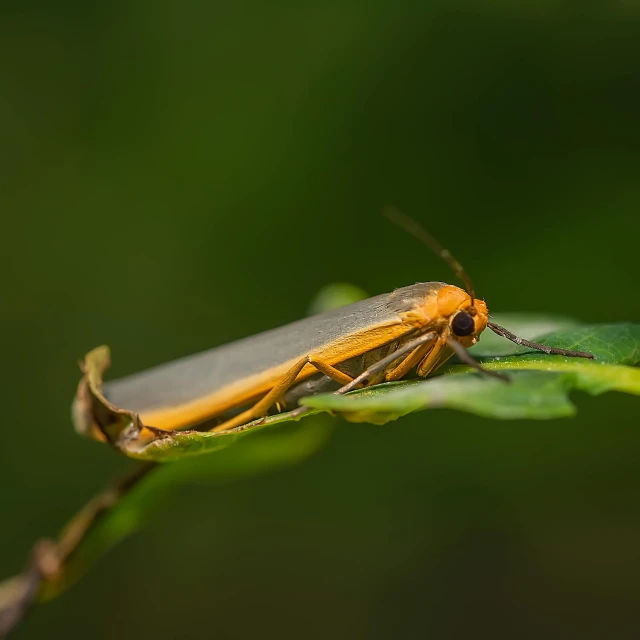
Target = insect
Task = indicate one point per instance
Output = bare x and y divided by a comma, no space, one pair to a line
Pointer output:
414,329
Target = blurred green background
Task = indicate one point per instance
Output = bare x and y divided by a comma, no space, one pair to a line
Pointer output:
177,175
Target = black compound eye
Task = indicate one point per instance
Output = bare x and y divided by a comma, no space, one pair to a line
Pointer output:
463,324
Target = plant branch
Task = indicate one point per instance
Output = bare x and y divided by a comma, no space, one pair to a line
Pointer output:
50,559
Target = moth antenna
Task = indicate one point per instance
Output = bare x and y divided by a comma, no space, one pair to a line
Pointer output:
505,333
412,227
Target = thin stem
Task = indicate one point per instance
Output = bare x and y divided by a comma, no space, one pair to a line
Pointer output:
49,558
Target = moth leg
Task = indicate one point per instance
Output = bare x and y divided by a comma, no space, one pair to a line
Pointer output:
331,372
260,408
410,361
443,350
438,355
464,355
369,374
365,377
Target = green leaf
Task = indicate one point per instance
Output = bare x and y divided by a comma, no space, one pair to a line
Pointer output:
539,389
530,395
540,383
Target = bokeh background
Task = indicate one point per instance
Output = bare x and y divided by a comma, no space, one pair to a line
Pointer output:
177,175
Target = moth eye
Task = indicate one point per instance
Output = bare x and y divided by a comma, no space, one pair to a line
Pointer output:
462,324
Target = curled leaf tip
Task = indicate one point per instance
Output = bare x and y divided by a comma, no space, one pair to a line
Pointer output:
92,414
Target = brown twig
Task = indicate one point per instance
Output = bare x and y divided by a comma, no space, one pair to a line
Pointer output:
49,558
